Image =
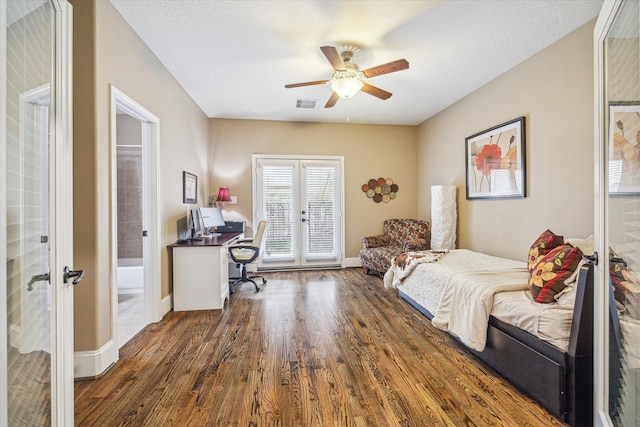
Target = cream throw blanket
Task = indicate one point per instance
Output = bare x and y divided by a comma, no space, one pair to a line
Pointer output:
403,264
467,301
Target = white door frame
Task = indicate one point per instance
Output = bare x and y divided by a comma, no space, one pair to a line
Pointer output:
601,361
4,329
62,223
150,210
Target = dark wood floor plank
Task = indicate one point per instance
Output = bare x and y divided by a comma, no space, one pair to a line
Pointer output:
312,348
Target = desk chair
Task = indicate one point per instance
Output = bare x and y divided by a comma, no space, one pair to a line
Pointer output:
246,251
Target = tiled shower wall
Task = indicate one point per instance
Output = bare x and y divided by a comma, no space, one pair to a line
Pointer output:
129,202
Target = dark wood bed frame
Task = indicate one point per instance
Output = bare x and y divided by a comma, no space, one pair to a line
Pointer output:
560,381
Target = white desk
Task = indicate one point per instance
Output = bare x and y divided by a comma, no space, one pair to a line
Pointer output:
201,273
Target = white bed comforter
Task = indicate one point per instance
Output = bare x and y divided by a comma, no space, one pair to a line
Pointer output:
459,288
467,300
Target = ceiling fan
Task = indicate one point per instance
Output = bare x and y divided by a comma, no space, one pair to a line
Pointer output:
347,79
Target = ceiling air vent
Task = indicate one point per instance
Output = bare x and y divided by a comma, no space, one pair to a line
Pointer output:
306,103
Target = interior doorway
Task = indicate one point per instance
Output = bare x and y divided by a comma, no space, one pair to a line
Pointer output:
135,254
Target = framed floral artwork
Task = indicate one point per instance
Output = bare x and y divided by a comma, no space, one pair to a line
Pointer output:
624,148
495,162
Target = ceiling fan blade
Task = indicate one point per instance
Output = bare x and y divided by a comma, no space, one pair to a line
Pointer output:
334,57
332,100
376,91
389,67
317,82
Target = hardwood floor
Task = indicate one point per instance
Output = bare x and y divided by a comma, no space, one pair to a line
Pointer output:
318,348
29,388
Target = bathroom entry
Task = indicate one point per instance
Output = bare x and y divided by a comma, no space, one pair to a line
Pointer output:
130,276
135,222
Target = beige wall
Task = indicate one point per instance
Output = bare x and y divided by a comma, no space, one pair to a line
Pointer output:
370,151
108,52
554,91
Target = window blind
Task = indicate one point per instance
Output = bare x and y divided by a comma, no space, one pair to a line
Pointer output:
321,208
278,209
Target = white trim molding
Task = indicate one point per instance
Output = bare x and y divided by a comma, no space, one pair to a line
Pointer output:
150,124
166,304
92,363
351,262
601,280
4,328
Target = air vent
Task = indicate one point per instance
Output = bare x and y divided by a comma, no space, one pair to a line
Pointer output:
306,103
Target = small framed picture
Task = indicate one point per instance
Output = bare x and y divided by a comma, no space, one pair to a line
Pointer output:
624,148
189,188
495,162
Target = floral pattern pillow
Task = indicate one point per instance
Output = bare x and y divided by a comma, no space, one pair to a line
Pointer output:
626,284
542,246
549,274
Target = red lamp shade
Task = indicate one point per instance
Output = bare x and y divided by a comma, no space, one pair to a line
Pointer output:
224,195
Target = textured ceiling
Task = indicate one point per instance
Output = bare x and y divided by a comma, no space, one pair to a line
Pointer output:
234,57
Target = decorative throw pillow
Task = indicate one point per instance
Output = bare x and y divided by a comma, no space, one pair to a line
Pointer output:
549,274
543,244
626,284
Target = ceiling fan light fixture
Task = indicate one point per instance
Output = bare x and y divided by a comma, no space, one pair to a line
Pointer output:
347,79
346,85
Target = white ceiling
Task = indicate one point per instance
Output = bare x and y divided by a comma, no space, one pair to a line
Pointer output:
234,57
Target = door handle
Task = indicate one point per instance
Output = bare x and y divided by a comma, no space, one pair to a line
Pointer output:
68,274
37,278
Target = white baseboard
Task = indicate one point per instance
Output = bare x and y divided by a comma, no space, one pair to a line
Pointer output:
89,364
125,291
166,305
351,262
94,362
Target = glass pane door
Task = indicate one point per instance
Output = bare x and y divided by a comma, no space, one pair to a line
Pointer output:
619,352
29,77
37,348
301,200
278,203
320,212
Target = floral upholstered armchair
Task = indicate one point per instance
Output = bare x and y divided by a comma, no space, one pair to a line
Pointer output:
400,235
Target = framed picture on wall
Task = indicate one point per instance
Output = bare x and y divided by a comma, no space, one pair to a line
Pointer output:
624,148
495,162
189,188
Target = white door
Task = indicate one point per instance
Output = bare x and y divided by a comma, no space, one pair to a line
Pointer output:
301,199
36,345
617,219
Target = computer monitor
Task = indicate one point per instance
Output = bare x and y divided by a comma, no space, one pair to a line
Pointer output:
211,218
196,224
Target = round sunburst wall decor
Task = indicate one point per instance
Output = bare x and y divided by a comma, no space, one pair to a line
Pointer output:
380,190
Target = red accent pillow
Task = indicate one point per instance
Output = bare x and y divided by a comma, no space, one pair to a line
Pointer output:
542,246
548,276
626,287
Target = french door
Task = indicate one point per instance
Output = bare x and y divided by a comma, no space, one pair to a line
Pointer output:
301,199
36,324
617,219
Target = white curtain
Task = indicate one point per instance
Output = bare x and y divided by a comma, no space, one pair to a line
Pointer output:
443,217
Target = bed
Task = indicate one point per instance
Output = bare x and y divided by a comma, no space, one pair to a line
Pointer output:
546,350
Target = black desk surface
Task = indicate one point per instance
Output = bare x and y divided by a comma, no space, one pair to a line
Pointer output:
220,240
